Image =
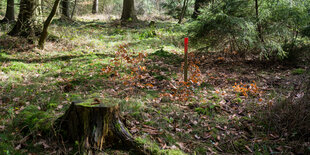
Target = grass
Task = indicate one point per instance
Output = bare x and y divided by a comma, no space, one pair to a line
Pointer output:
54,77
298,71
37,86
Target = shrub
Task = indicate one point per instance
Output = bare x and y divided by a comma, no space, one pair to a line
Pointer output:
306,31
233,24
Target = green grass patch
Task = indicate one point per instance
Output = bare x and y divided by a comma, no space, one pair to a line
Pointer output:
298,71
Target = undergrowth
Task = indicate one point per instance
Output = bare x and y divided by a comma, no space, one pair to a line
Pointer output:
141,70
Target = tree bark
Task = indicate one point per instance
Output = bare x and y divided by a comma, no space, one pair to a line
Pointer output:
73,10
259,28
96,127
48,21
184,8
129,12
65,9
38,12
95,6
24,24
9,14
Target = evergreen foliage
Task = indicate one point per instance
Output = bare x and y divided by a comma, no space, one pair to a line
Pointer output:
232,23
174,8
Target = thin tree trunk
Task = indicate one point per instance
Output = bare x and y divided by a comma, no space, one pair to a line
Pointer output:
183,11
259,28
38,12
129,12
9,14
24,24
73,10
65,9
42,7
95,6
48,21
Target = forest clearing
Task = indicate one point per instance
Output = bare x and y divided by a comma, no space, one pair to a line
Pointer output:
111,77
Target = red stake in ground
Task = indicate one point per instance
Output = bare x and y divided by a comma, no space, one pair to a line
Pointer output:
185,58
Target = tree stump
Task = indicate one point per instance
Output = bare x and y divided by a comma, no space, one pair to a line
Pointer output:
96,126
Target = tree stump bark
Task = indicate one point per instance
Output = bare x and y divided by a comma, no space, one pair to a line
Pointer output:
96,126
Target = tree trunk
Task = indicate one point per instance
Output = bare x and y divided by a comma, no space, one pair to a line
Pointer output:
73,10
38,12
96,126
259,28
184,8
95,6
9,14
129,12
24,24
47,23
198,5
42,7
65,9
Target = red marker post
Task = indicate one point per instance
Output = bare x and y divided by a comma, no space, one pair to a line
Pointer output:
185,59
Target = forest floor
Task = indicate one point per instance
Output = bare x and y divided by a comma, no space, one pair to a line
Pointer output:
222,110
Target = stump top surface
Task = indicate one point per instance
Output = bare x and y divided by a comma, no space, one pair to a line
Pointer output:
95,103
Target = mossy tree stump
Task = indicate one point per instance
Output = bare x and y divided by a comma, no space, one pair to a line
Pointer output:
96,126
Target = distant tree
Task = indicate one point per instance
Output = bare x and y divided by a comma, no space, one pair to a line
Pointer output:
24,26
184,8
173,8
95,6
9,14
259,28
73,10
129,12
65,9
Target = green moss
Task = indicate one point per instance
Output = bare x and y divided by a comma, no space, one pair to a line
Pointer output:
298,71
51,105
34,119
201,150
93,102
146,142
172,152
161,77
155,149
148,33
237,100
5,146
149,122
